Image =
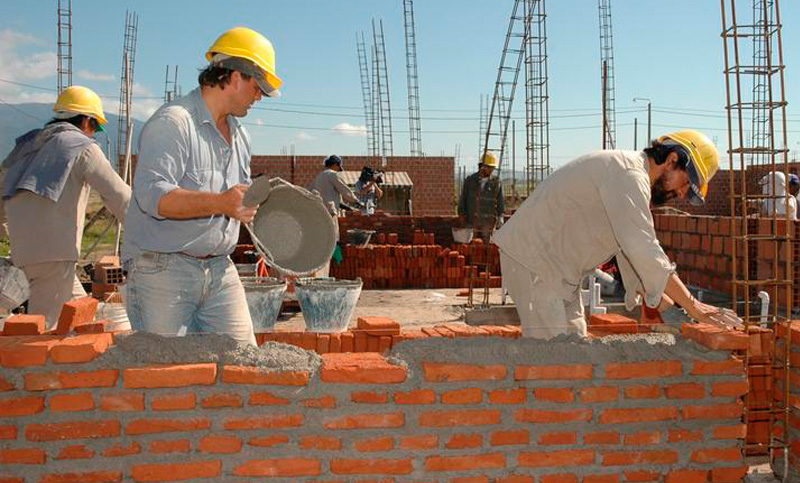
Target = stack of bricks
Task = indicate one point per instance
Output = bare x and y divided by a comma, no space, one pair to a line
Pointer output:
108,276
519,414
406,266
404,226
77,315
788,334
380,334
478,253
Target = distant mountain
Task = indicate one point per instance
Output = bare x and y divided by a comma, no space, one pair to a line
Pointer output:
17,119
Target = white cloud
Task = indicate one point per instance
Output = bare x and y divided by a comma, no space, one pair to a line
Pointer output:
88,75
24,66
304,136
347,129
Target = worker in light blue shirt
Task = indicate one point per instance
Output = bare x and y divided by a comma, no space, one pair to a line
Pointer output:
192,172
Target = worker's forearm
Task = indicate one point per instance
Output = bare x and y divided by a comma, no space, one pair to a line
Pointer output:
181,204
679,294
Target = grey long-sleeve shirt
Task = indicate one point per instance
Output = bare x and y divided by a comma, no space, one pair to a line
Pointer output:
589,210
41,230
331,188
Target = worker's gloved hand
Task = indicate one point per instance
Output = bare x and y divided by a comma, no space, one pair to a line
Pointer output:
231,204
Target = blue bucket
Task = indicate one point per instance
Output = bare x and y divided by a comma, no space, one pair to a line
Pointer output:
327,305
264,299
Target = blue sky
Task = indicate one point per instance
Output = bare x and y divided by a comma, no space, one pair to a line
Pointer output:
670,52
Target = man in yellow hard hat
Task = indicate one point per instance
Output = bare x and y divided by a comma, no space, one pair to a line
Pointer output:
593,208
192,172
481,203
48,177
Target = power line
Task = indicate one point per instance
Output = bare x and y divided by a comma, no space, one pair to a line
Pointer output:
12,106
47,89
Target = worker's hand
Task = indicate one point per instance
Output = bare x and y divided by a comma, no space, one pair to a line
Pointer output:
231,204
709,314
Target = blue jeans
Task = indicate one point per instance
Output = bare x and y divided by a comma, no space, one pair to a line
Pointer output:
169,291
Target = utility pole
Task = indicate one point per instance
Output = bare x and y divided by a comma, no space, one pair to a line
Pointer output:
649,117
635,132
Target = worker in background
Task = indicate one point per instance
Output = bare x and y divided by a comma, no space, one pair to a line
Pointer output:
777,200
192,172
331,187
368,189
48,178
594,208
481,203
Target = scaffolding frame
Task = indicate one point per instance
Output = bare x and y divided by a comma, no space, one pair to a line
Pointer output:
537,99
607,74
384,108
171,86
763,150
126,85
519,24
483,122
412,76
367,95
64,44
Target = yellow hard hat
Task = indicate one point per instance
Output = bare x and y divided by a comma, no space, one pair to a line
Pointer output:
79,100
248,44
489,159
703,163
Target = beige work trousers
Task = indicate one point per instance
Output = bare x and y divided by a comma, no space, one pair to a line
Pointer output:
543,311
51,285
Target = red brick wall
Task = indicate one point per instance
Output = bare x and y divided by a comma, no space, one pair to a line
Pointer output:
433,177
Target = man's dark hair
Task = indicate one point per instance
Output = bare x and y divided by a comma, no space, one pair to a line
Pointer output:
659,152
77,121
367,174
331,160
216,76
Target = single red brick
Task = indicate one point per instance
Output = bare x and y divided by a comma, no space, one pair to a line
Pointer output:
21,406
72,430
642,476
556,438
204,374
71,402
221,400
265,422
220,443
8,432
420,396
561,458
553,416
686,390
729,367
637,415
42,381
508,396
289,467
599,394
680,435
150,426
372,420
720,411
624,458
468,395
733,474
367,368
465,463
83,477
266,399
24,324
601,437
76,312
686,476
503,438
123,401
730,388
643,392
172,446
426,441
26,350
119,449
736,431
168,471
465,417
75,452
324,402
268,441
173,402
438,372
257,375
380,443
554,394
554,372
22,456
643,437
96,327
378,326
81,348
713,455
328,443
369,397
461,441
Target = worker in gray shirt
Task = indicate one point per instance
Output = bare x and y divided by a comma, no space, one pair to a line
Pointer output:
47,180
192,173
331,187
